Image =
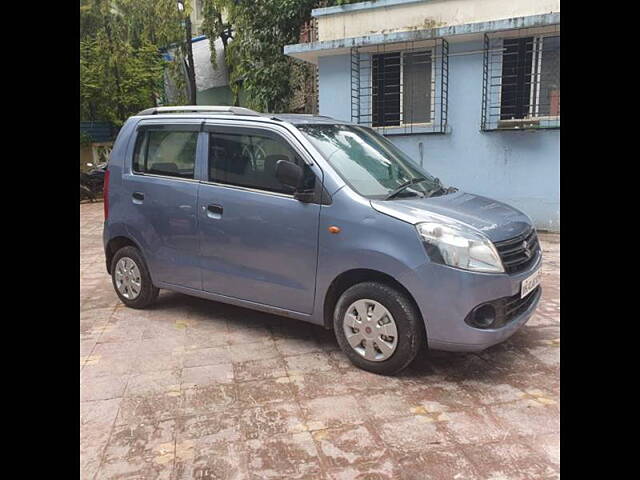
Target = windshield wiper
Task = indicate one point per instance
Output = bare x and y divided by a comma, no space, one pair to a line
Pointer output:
413,181
440,190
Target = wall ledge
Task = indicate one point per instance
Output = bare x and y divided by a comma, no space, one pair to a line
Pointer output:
311,51
354,7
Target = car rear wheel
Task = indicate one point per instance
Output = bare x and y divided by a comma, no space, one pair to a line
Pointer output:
378,327
131,279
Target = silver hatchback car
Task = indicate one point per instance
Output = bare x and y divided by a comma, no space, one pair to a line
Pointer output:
318,220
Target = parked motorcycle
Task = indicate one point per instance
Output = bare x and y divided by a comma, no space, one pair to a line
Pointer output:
92,182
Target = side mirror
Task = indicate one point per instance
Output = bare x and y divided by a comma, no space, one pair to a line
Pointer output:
288,173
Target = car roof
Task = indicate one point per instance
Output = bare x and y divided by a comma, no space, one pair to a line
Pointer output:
304,119
238,113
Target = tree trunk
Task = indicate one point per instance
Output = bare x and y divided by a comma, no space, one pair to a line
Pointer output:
223,33
191,69
119,107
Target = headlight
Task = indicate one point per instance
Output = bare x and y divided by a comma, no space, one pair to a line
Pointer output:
459,246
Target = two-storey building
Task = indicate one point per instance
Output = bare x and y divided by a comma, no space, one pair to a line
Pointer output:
469,88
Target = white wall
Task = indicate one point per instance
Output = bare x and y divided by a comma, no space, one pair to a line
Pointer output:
207,76
425,15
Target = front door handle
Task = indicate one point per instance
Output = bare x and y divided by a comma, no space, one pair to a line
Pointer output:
214,211
138,197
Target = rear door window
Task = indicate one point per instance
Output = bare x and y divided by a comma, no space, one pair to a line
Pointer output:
166,152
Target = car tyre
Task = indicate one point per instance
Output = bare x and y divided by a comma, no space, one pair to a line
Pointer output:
398,309
131,278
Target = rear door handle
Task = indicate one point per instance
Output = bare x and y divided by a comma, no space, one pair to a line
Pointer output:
138,197
214,211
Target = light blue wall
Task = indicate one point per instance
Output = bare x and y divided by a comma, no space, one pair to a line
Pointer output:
334,97
518,167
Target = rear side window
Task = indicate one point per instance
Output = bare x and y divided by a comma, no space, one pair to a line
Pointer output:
166,152
249,160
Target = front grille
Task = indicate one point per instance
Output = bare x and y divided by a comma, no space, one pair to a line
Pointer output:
520,252
514,306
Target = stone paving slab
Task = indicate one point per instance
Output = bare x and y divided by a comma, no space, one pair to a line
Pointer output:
192,389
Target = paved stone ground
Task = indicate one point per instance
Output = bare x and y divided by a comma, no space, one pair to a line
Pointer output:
197,389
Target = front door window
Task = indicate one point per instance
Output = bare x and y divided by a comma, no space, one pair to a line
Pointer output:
249,160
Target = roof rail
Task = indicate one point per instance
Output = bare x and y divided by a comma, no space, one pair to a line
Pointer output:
200,109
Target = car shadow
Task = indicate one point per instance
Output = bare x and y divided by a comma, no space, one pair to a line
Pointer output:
240,317
427,366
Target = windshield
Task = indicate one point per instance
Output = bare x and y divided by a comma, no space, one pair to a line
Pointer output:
369,163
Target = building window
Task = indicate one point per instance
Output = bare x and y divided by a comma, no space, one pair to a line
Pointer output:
400,90
521,82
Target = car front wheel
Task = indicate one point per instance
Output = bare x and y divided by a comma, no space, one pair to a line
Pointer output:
378,327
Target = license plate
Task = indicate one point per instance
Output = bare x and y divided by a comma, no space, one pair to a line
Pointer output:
528,284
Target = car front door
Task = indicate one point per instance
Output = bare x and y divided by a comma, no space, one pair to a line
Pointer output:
162,189
257,242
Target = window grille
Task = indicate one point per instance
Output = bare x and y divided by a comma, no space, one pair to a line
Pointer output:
521,80
401,88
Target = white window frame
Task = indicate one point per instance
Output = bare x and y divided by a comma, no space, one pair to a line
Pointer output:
432,89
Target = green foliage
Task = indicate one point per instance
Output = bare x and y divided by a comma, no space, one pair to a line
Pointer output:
214,26
261,29
117,80
85,139
121,68
331,3
122,71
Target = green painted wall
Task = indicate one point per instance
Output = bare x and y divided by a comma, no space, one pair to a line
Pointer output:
217,96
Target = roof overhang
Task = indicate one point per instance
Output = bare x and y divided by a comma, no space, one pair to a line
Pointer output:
360,6
310,52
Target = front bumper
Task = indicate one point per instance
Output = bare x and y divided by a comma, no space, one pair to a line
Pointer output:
480,339
446,295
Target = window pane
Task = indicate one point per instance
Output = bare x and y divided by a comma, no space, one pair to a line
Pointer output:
385,83
141,150
517,60
250,161
416,87
549,99
167,153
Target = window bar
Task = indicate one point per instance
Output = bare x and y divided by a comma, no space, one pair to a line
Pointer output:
382,63
316,106
444,85
533,77
538,76
485,80
436,76
403,60
355,86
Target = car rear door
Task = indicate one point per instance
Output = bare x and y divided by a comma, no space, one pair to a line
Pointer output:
257,242
162,188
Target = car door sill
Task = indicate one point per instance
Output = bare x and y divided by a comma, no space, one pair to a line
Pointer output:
238,302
